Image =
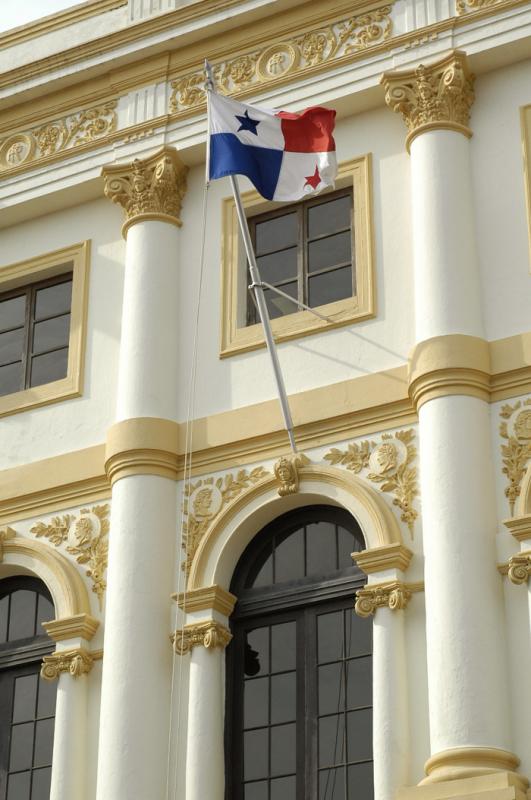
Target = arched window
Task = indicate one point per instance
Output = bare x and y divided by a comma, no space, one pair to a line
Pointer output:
299,668
27,703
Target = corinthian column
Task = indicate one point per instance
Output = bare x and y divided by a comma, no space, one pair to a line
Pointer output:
449,372
142,466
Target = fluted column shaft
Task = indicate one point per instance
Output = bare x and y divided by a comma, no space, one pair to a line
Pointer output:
142,465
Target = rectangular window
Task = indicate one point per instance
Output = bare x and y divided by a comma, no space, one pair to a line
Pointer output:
318,251
42,328
306,251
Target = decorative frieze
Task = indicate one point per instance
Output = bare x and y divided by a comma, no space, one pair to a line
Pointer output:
438,95
152,188
389,464
515,428
209,634
69,132
205,499
394,595
466,6
77,661
86,536
274,62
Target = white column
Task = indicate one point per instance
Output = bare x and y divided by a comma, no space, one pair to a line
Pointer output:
390,711
69,744
467,670
142,465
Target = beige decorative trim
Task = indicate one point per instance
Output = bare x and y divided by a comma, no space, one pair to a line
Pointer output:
236,335
466,6
519,527
77,662
291,56
210,634
142,446
518,568
516,430
205,499
448,365
377,559
390,466
211,598
434,96
88,537
68,590
77,256
5,534
286,471
153,188
470,762
83,127
83,626
393,594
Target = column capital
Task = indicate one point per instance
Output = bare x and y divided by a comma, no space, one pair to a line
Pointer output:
209,634
77,661
432,96
147,189
394,595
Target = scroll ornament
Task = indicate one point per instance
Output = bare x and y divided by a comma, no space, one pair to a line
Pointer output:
389,464
85,537
204,500
71,131
77,662
520,568
295,54
395,595
436,95
515,429
210,634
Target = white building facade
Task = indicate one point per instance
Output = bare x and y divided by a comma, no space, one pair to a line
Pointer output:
179,580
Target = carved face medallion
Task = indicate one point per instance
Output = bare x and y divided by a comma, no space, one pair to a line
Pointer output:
388,457
206,501
522,425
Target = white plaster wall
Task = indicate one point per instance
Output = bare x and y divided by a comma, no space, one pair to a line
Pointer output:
79,422
498,185
365,347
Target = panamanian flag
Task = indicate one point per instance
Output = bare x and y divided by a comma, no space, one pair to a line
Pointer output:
286,156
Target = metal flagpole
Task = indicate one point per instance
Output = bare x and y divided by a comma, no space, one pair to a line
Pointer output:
257,287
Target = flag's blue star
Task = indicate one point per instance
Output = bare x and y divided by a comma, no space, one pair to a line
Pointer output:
247,123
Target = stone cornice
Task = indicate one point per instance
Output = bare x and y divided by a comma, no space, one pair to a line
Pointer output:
147,189
80,625
432,96
211,598
76,661
390,556
392,594
209,634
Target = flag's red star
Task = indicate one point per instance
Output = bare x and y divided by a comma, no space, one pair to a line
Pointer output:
313,180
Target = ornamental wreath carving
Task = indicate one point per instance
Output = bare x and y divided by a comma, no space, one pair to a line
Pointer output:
389,464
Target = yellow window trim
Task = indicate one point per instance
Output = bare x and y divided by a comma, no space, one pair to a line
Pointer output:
235,336
32,271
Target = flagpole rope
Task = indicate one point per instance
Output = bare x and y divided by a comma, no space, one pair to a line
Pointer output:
187,473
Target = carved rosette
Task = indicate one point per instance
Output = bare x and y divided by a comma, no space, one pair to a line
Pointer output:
438,95
77,662
394,595
210,634
152,188
519,568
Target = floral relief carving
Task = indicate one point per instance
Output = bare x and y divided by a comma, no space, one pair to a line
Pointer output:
209,634
71,131
204,499
515,428
389,464
465,6
318,46
86,538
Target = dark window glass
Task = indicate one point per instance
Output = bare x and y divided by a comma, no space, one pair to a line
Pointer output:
307,252
299,697
34,334
27,702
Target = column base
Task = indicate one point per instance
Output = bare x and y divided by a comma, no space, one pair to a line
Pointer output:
472,762
501,785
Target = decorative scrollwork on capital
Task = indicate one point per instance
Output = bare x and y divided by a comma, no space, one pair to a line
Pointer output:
149,188
77,662
519,568
438,95
394,595
209,634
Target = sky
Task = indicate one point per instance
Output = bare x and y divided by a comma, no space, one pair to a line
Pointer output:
18,12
